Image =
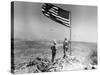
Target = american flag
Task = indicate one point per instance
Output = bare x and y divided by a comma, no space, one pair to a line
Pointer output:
57,14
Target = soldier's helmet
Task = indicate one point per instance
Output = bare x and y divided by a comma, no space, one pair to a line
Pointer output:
54,42
65,38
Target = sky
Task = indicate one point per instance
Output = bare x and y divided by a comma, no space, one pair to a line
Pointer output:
31,24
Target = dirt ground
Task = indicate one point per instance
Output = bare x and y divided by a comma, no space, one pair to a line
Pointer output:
35,56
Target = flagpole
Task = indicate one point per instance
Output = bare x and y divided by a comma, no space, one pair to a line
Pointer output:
70,32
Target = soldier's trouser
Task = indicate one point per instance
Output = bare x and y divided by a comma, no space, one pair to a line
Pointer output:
65,50
53,56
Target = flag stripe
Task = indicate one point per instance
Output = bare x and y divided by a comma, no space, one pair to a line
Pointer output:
63,21
56,10
53,12
55,7
60,17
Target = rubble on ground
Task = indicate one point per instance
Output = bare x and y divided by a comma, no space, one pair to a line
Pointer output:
44,64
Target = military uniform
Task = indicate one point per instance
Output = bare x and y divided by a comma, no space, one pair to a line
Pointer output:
65,47
53,48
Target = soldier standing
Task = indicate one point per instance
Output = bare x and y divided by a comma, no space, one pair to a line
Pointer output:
65,47
53,48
